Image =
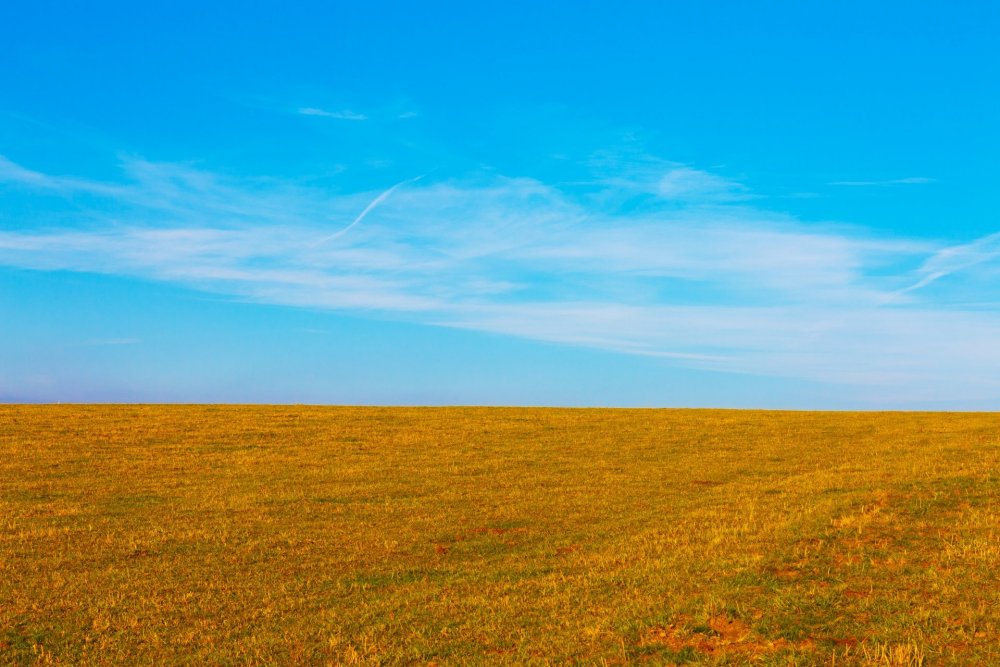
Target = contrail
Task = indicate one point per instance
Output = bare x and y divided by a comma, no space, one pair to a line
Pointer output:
368,209
957,258
924,282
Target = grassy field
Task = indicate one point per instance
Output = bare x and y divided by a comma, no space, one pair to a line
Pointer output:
300,535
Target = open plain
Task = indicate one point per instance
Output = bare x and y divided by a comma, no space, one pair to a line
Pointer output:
312,535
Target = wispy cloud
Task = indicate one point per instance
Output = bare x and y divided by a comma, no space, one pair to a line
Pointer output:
912,180
635,172
11,172
344,114
711,282
685,183
957,258
368,209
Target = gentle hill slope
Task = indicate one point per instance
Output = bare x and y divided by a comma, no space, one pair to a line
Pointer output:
307,535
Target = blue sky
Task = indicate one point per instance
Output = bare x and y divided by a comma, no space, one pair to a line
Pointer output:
740,204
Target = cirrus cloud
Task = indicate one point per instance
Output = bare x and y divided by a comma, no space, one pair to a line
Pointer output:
712,283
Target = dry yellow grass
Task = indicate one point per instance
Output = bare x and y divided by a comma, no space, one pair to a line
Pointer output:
297,535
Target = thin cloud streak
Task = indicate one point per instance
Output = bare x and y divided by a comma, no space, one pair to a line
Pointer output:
345,114
912,180
368,209
955,259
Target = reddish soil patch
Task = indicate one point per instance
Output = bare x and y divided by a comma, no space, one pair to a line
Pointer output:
848,642
726,635
730,629
784,572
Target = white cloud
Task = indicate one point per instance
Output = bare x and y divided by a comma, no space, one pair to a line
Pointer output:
957,258
724,286
344,114
629,173
686,184
11,171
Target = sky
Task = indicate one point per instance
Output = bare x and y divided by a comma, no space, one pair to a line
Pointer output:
670,204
